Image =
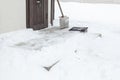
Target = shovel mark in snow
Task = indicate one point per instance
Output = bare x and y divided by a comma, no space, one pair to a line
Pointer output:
21,44
75,51
50,67
100,35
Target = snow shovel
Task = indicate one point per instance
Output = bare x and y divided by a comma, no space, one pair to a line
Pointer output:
63,20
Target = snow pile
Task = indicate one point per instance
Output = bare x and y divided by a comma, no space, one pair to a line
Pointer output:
54,54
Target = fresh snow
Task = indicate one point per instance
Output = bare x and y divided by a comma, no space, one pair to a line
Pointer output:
94,55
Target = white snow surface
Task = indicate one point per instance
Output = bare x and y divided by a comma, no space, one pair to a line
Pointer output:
94,55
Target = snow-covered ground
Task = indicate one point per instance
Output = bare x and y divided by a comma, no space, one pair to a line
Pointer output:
95,55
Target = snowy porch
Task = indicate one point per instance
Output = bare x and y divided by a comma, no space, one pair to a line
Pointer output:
82,56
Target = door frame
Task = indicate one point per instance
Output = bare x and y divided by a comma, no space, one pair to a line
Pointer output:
46,13
27,14
52,11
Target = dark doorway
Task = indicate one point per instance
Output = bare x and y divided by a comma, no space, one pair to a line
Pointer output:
37,14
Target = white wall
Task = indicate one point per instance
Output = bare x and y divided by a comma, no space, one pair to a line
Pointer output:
94,1
12,15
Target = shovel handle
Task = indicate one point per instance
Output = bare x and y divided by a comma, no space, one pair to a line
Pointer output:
60,8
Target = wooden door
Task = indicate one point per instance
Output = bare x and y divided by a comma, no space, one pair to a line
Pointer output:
37,14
